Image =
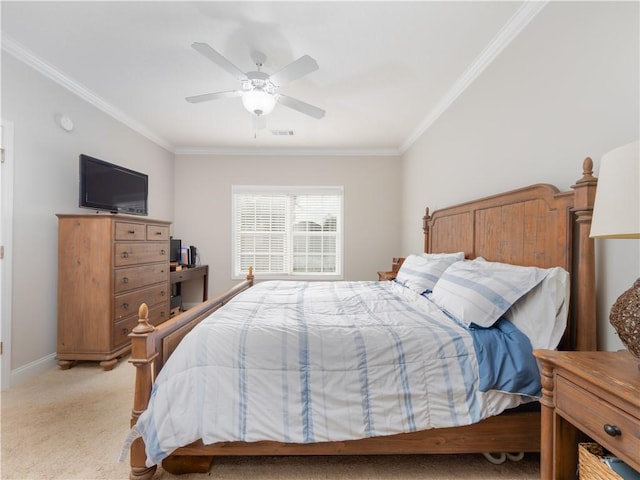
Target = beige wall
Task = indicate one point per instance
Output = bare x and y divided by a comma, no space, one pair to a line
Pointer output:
565,88
46,183
372,194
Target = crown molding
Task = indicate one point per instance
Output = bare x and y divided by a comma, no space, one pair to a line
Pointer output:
289,152
507,33
21,53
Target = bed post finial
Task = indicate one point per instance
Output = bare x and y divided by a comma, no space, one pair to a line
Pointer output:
425,229
585,309
143,320
587,171
250,274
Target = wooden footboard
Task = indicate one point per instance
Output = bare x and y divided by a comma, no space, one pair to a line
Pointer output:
151,347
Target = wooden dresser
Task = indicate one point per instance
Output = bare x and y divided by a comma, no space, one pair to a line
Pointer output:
588,395
107,266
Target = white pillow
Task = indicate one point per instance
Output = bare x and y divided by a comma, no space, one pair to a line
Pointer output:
421,272
480,292
541,314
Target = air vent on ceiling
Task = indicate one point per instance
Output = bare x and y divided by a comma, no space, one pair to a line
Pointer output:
282,133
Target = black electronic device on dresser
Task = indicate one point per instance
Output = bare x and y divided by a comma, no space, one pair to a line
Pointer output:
193,256
112,188
175,247
183,256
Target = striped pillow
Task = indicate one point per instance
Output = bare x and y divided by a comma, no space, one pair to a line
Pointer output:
421,272
480,292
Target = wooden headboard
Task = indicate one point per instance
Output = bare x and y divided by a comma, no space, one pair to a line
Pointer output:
533,226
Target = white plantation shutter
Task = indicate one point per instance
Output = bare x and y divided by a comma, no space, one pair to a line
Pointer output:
287,231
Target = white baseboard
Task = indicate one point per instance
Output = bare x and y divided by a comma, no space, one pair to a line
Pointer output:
30,370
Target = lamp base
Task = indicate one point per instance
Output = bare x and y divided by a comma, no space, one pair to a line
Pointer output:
625,318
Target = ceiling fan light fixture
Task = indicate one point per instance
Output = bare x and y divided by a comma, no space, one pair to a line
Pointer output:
258,102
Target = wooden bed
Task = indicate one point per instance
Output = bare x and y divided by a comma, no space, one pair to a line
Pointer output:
537,226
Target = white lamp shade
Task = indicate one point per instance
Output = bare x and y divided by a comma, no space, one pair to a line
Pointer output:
258,101
616,212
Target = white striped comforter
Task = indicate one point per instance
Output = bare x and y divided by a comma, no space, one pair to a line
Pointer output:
309,362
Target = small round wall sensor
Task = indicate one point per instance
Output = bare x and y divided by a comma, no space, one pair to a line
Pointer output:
65,122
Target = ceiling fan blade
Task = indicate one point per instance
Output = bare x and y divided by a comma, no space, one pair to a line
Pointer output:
219,60
293,71
213,96
301,106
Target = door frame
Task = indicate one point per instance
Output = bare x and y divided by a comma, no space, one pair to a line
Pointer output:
6,240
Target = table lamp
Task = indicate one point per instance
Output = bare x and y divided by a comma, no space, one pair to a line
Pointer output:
616,214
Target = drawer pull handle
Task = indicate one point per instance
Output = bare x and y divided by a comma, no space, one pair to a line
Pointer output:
162,252
162,294
132,232
125,254
158,233
125,280
125,330
125,305
612,430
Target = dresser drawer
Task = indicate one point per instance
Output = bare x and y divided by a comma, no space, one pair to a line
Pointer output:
593,413
131,231
157,232
128,303
137,253
135,277
121,329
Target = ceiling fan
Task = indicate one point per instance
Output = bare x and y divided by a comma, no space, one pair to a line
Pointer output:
258,90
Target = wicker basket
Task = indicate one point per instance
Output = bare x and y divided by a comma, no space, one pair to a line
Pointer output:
592,465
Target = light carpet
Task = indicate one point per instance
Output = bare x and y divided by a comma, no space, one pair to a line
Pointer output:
71,424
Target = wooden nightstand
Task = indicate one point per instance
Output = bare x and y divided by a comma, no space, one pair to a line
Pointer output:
396,263
594,394
386,276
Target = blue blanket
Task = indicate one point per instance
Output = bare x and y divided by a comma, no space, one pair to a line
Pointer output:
505,359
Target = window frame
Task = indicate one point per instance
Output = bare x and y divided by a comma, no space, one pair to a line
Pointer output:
289,190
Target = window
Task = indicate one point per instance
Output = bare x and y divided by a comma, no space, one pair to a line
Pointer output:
284,232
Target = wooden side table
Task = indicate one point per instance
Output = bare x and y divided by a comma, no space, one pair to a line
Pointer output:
396,263
594,394
382,276
201,271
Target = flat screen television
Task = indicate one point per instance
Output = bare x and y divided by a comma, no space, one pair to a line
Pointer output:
106,186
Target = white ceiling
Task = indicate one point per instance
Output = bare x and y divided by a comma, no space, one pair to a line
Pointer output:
387,69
